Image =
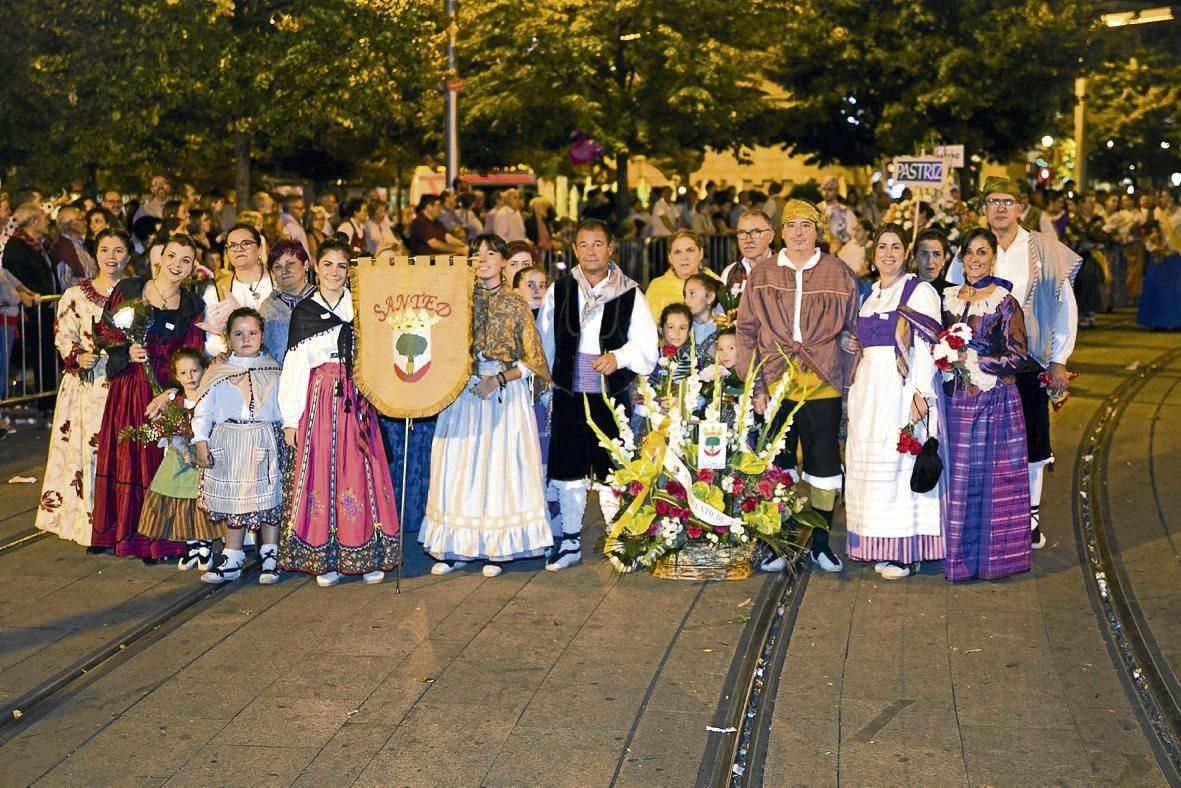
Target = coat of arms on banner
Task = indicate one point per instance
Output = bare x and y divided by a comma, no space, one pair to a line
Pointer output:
414,323
412,342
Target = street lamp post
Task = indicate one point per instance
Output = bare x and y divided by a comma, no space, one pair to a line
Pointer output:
451,108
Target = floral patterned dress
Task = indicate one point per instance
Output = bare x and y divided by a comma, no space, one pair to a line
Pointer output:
67,497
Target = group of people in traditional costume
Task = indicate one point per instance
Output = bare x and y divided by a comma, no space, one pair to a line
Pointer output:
290,451
276,439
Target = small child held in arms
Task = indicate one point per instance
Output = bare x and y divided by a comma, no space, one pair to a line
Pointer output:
171,509
721,373
237,430
673,365
701,296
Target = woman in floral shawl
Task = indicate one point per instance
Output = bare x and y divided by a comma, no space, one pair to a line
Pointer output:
486,499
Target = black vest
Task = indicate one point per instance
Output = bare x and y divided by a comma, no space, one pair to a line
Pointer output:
613,330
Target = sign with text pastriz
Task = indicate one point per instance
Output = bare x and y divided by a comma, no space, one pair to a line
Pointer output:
919,172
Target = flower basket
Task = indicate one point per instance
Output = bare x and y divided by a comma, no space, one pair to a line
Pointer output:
694,496
697,561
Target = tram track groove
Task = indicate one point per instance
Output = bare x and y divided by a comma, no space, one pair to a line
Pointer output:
1146,676
20,712
736,754
22,539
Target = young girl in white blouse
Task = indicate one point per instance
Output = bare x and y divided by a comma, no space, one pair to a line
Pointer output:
237,431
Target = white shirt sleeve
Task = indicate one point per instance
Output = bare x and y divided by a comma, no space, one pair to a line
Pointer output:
203,416
923,373
215,344
1065,327
545,326
293,383
639,352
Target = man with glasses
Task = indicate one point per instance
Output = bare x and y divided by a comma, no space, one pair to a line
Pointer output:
754,237
796,307
1041,270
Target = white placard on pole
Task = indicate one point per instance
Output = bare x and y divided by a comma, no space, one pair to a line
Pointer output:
953,153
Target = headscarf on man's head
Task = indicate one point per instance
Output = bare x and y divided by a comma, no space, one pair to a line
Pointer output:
995,184
802,209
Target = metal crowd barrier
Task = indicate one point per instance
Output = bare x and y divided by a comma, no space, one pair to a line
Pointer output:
30,367
644,260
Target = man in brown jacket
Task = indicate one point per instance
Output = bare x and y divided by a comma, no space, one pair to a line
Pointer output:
797,307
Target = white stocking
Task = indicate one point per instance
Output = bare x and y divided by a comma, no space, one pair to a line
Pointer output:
572,499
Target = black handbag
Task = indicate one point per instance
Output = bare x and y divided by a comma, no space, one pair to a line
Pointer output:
928,467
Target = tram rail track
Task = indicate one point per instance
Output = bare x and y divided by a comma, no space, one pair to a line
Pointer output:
21,540
735,756
1146,676
18,713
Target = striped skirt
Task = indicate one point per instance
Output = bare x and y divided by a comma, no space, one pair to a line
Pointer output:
987,504
244,488
339,513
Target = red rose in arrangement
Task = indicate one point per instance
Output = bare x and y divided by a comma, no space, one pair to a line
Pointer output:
706,476
739,486
663,508
634,489
942,364
749,504
765,487
693,531
721,530
955,343
675,489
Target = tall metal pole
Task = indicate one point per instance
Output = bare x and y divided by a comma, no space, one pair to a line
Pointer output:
451,111
1080,124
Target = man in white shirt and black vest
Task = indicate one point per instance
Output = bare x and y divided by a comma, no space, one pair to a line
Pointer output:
597,332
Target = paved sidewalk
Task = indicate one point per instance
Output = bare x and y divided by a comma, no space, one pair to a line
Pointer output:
531,677
585,677
997,683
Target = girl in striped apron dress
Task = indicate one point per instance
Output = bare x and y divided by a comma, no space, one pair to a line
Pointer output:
239,440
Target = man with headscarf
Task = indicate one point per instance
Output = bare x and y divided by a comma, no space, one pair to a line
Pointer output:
1041,269
597,331
796,308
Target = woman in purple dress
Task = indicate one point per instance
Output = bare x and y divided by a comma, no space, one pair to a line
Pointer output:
986,508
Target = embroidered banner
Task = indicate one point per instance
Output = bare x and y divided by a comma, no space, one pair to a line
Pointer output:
414,331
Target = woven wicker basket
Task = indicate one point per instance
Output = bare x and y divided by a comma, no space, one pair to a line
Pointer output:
697,561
